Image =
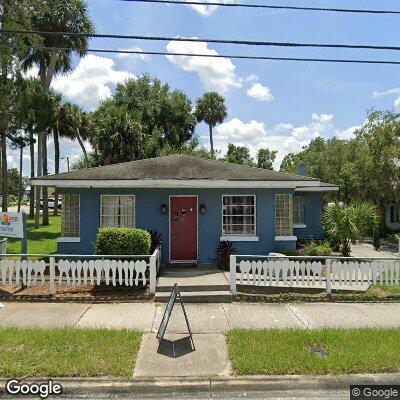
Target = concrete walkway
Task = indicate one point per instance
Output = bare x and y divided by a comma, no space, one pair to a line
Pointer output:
204,318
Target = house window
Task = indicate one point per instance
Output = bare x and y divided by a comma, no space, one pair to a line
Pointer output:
238,215
298,210
394,214
70,215
283,215
117,211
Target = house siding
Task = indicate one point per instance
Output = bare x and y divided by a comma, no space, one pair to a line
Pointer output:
149,216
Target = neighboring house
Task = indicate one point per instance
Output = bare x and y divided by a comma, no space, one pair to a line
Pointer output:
392,218
194,203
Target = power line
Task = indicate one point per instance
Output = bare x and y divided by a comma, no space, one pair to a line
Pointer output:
197,40
265,6
233,56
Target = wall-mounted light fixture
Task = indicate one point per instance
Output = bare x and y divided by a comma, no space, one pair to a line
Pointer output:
164,208
202,208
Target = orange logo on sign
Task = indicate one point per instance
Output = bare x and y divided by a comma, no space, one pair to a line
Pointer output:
6,219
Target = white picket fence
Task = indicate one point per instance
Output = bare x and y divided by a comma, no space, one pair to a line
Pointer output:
81,270
304,271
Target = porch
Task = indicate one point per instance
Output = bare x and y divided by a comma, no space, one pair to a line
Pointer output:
197,284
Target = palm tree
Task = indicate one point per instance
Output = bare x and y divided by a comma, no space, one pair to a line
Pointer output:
58,16
212,110
56,121
344,224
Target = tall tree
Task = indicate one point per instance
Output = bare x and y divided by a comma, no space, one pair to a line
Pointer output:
239,155
212,110
13,49
142,117
266,158
55,57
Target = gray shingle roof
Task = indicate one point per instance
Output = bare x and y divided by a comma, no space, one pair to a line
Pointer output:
176,167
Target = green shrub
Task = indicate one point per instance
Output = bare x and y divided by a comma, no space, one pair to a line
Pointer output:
123,241
316,249
286,252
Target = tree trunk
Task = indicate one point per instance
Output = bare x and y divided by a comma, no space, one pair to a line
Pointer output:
56,167
4,181
83,149
346,249
46,78
32,191
211,141
21,153
39,173
45,219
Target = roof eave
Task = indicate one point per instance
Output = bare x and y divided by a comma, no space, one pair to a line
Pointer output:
173,183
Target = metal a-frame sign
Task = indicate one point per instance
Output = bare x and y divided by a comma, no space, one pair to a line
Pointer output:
175,295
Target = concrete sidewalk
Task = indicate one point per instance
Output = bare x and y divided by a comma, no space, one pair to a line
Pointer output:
204,318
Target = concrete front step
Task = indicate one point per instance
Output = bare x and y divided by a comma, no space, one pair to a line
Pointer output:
194,288
219,296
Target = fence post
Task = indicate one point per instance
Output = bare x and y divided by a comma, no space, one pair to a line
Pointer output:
53,288
153,272
328,277
232,269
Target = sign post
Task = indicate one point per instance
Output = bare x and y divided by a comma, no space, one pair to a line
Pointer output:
14,225
175,294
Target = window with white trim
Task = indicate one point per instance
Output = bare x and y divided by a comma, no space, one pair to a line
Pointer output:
298,210
283,215
117,211
70,215
238,215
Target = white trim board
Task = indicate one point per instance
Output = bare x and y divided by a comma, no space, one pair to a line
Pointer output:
285,238
239,238
175,183
64,239
317,189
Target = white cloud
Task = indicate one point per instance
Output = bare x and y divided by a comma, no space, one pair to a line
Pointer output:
143,57
214,73
322,118
397,104
394,91
283,127
255,135
347,134
250,78
236,130
260,92
207,10
90,81
387,92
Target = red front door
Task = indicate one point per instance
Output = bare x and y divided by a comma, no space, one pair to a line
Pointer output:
183,228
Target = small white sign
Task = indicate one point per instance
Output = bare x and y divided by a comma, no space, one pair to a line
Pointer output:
11,225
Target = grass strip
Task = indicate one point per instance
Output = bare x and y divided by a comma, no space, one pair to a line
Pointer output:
67,352
287,352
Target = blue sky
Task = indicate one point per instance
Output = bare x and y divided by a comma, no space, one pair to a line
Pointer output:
281,105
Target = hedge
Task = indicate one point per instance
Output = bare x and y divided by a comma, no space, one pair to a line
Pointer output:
123,241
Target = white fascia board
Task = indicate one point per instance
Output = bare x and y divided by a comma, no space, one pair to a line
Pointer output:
317,189
172,183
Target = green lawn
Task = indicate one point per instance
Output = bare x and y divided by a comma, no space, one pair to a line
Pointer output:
68,352
41,240
277,352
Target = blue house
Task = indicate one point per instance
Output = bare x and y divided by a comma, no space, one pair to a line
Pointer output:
194,203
